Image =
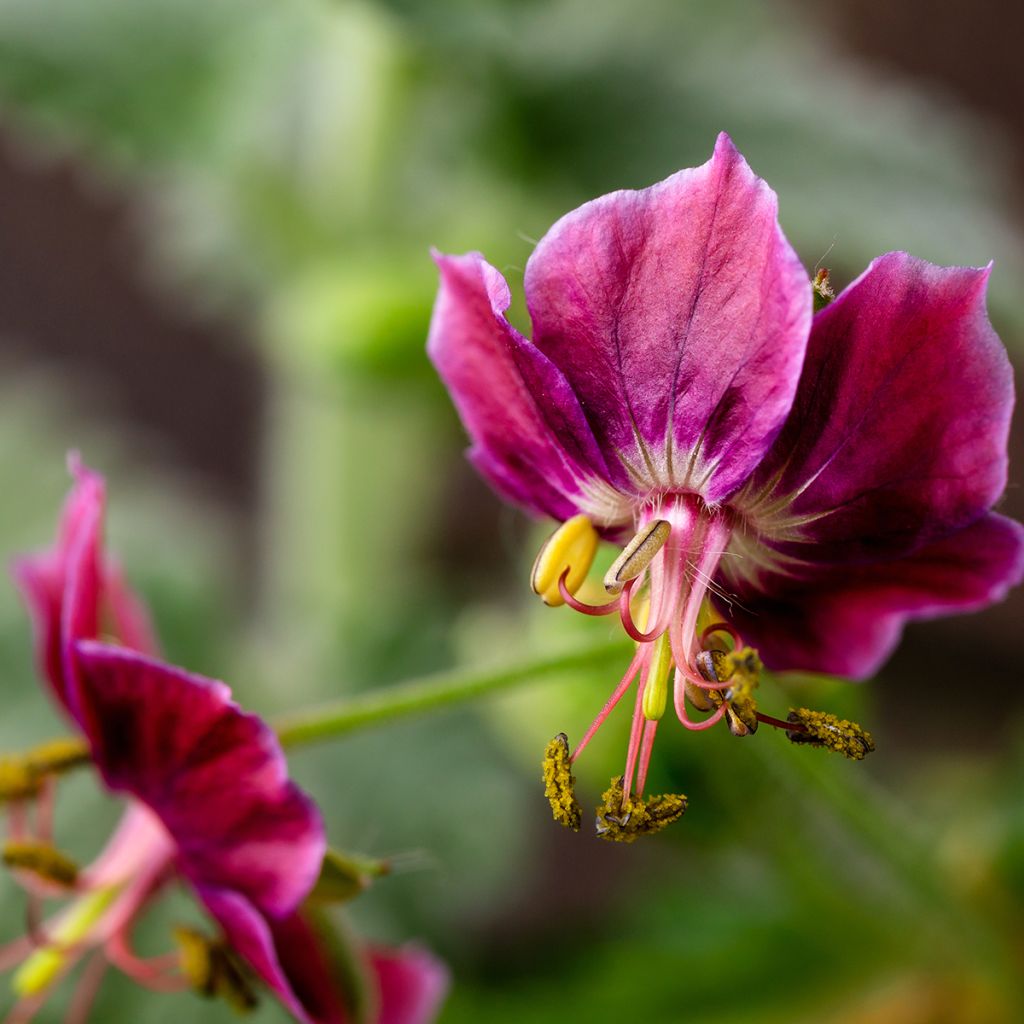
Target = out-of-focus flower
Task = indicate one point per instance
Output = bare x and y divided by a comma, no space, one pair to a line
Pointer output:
210,802
819,479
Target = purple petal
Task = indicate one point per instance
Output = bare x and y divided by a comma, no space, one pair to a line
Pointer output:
530,438
679,314
413,984
249,934
898,432
215,776
291,959
846,621
61,587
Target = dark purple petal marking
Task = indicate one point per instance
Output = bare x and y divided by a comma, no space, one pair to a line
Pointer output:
679,314
530,438
214,775
899,428
848,620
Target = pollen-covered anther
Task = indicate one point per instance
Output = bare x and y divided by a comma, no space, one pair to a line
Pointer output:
637,555
568,552
43,860
58,756
740,673
212,970
624,821
17,780
820,729
560,783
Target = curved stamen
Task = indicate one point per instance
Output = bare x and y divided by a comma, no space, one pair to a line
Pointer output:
613,700
579,606
721,627
679,699
158,973
626,615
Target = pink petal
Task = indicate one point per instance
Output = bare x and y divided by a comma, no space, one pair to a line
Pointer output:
413,984
529,435
214,775
899,429
847,621
679,314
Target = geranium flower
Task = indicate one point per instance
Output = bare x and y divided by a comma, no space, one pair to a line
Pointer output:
210,802
818,479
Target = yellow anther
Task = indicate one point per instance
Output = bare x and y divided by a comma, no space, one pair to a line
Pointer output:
637,555
41,859
58,756
656,684
17,780
571,547
820,729
741,672
560,783
621,821
213,970
45,966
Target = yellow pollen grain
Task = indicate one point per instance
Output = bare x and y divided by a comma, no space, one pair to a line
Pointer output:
840,735
58,756
620,821
571,547
560,783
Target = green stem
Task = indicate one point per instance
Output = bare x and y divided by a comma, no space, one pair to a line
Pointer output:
441,690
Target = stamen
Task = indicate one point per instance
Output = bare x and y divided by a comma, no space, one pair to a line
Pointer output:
17,780
637,555
571,547
623,819
720,627
579,606
627,619
560,783
41,859
820,729
610,704
58,756
646,749
656,684
212,970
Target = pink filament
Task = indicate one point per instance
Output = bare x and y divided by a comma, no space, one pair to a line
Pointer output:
613,700
679,698
646,747
86,990
579,606
154,973
634,744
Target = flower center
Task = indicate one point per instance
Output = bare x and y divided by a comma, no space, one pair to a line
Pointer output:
663,578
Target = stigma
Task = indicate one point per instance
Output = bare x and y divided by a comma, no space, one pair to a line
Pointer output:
660,586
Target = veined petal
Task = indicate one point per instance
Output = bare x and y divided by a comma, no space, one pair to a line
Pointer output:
679,314
529,435
290,958
847,620
214,775
899,428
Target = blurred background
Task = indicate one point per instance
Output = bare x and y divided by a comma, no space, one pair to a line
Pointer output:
215,282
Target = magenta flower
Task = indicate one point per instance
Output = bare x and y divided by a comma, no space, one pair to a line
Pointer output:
818,479
210,802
